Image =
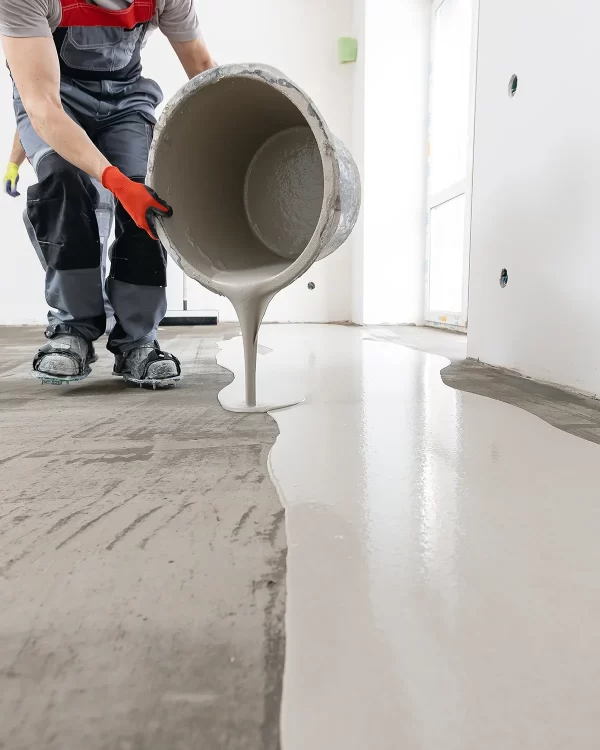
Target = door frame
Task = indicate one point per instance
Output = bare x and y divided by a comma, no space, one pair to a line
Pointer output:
464,187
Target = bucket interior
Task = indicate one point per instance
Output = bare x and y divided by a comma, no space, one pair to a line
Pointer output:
242,170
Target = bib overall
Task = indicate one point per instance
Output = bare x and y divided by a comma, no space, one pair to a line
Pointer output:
102,89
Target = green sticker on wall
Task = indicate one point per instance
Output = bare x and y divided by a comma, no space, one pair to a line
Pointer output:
347,49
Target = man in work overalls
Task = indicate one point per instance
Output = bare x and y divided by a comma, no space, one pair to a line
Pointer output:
84,111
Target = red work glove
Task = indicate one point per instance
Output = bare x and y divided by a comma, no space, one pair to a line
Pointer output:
140,202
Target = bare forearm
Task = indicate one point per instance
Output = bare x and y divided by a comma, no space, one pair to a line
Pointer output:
58,130
194,56
35,69
17,153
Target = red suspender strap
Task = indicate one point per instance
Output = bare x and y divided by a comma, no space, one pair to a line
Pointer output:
80,13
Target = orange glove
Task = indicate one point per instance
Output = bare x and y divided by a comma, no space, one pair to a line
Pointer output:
140,202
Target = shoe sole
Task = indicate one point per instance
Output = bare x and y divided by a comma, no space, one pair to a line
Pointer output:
48,379
153,383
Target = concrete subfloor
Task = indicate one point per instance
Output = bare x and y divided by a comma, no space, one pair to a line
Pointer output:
142,560
440,576
572,412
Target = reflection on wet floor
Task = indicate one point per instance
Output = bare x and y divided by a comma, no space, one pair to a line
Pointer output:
443,556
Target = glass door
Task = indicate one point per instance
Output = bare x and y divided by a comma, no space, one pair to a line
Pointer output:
451,119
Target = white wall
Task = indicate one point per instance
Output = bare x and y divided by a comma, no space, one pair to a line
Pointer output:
297,36
535,201
391,89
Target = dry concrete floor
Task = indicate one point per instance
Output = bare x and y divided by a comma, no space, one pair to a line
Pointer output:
439,557
142,560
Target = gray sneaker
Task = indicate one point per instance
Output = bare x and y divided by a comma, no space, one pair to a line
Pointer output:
148,365
66,358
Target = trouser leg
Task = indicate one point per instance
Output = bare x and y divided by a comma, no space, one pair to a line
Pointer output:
61,210
105,214
137,282
61,223
34,240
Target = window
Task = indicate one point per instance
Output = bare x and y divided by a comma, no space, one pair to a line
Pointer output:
451,115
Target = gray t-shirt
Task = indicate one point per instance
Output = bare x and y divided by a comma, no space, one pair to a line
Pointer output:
27,18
